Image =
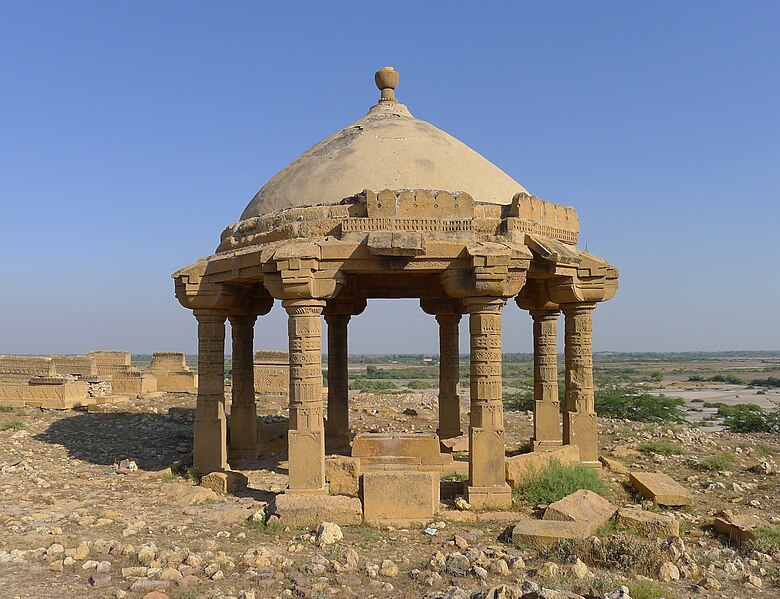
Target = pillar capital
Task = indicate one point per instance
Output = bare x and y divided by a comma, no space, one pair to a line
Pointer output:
304,306
203,315
484,304
576,308
545,315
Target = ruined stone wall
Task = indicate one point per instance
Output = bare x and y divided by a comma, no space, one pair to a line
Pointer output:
78,365
21,369
172,373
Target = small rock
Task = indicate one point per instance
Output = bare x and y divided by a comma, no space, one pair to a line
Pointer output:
580,570
462,505
709,583
668,572
480,572
549,570
457,564
328,533
99,580
388,569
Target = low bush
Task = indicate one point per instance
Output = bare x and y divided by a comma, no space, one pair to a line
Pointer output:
620,551
628,402
557,480
418,385
365,385
520,401
766,540
662,447
12,425
771,381
719,461
750,418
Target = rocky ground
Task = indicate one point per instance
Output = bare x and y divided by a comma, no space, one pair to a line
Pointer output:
72,523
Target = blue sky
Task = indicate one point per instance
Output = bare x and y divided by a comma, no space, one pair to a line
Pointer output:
131,134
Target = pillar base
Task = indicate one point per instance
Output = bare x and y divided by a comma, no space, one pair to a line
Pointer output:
337,441
448,434
323,491
545,445
498,497
243,453
595,465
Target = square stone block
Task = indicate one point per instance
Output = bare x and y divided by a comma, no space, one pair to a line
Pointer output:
343,475
648,523
581,506
224,482
411,445
400,496
546,533
490,498
661,488
310,510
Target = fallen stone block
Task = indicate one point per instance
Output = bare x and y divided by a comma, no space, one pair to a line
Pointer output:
581,506
614,465
546,533
453,444
224,482
738,528
659,525
660,488
343,475
520,466
310,510
400,496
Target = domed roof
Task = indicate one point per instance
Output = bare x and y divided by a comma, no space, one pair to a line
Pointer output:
386,149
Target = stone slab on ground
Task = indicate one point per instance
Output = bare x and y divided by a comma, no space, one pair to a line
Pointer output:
520,466
660,488
614,465
343,475
739,528
649,523
581,506
546,533
400,496
310,510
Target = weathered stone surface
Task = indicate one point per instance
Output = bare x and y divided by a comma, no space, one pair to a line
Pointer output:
649,523
400,496
738,528
661,488
224,482
545,533
581,506
310,510
343,474
616,466
520,466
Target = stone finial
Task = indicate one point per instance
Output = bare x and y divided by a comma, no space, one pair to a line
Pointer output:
386,80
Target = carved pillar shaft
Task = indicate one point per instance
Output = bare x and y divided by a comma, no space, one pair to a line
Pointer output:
579,422
337,426
243,412
547,418
210,433
306,441
487,478
449,376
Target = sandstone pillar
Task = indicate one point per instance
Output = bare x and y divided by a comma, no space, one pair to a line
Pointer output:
306,441
579,419
243,411
487,478
337,434
449,376
210,433
547,414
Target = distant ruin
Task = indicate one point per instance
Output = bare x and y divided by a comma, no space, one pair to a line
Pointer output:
69,381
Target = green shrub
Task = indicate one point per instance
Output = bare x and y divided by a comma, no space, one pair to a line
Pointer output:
750,418
662,447
621,551
719,461
628,402
648,589
418,385
520,401
367,386
766,540
12,425
557,480
767,382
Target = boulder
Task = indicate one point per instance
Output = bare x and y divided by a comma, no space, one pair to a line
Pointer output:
738,528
